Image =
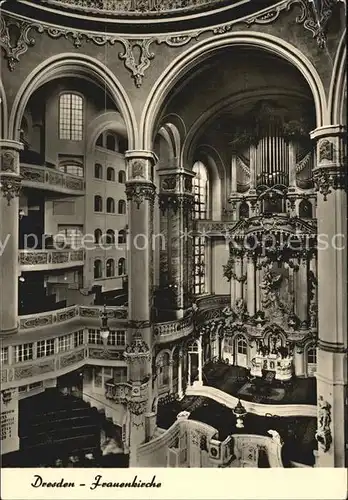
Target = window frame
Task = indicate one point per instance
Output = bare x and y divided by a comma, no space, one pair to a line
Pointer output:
71,93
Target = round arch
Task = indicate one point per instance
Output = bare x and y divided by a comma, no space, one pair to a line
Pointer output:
73,65
338,84
111,120
204,49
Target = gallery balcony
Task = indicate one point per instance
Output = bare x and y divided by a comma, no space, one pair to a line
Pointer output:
50,179
46,260
173,330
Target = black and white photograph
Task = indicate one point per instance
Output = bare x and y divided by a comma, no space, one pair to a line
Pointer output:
173,239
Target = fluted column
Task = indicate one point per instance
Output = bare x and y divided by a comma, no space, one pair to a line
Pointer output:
9,221
251,286
176,205
140,192
329,175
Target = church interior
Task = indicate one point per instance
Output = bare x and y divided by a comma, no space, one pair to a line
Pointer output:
173,233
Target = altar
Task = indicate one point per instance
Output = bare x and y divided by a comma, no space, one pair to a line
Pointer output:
277,363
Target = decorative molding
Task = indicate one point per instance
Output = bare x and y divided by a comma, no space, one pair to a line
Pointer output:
10,187
328,178
139,192
175,202
326,150
323,434
138,168
8,162
137,69
14,48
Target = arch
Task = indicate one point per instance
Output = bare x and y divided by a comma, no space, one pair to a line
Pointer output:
338,83
110,121
71,64
110,268
122,237
305,209
110,205
121,266
98,203
121,207
97,269
191,57
122,177
3,112
110,174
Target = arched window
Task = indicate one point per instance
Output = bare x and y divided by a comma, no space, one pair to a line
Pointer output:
110,174
110,206
192,347
70,117
122,177
241,345
110,236
305,210
98,171
111,142
72,168
110,268
312,356
122,207
121,266
244,210
98,269
97,236
200,190
98,203
122,237
100,141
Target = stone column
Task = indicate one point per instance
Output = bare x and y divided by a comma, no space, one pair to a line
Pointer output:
253,167
292,165
171,388
234,172
200,360
176,205
140,192
251,286
238,282
301,290
180,374
9,221
329,175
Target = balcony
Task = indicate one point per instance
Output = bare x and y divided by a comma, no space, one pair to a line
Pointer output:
46,260
50,179
173,330
80,316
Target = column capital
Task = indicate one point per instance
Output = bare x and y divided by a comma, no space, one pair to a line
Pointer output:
329,172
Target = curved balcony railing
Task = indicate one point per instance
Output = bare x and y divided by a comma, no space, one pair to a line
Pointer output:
27,372
38,177
173,330
139,7
44,260
81,313
289,410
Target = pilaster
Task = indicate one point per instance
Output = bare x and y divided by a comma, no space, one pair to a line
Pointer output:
330,178
10,184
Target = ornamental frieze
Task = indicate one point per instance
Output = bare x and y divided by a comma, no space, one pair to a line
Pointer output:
327,179
137,54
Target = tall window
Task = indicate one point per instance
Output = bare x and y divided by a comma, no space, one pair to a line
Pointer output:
122,177
110,174
122,237
97,235
110,236
121,207
121,266
312,356
70,117
98,270
110,268
98,204
200,190
241,345
110,206
199,265
98,171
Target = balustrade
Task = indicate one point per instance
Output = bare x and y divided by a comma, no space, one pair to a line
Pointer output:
50,179
37,260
